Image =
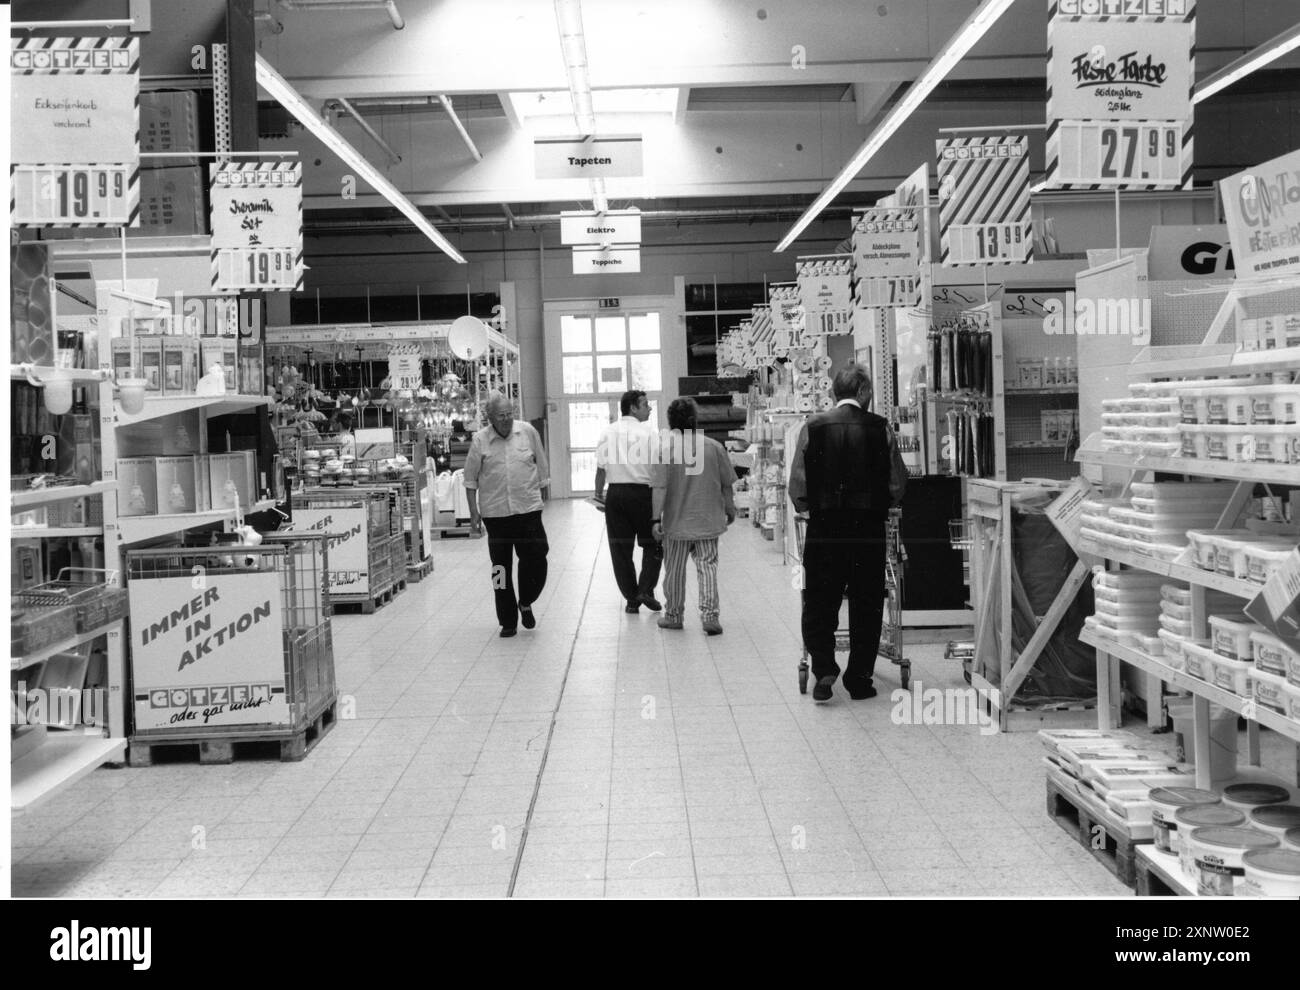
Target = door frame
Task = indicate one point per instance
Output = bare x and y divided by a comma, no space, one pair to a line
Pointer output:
672,351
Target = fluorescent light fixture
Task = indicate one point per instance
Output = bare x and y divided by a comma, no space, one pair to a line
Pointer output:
1268,52
291,100
559,103
976,26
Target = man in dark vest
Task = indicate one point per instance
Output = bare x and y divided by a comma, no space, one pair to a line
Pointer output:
846,474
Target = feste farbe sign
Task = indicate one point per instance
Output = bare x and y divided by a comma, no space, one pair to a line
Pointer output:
588,158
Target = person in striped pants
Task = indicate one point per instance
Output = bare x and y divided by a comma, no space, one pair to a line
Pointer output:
693,506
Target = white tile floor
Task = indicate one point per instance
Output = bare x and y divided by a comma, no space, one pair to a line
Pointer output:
625,760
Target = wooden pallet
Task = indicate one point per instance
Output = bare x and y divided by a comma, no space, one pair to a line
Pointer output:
445,532
1109,841
420,571
1159,875
366,605
220,748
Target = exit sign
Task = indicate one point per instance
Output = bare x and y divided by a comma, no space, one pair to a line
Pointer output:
609,304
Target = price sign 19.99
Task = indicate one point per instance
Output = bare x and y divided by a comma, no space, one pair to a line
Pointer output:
1120,154
73,195
256,269
257,227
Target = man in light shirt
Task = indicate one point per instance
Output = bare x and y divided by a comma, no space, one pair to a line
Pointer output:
505,472
627,450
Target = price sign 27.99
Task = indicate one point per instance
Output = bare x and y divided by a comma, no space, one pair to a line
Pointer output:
1123,154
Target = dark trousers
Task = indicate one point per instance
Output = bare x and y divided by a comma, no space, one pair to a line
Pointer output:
507,536
628,511
844,552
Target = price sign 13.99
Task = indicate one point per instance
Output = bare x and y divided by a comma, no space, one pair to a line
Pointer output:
1134,155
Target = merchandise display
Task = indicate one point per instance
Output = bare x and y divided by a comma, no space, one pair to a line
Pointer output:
313,372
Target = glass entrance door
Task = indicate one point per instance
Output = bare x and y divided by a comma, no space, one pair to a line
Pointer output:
601,357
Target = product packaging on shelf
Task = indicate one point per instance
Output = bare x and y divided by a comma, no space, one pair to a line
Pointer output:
181,485
126,358
169,435
168,124
1029,373
232,479
171,200
137,486
151,362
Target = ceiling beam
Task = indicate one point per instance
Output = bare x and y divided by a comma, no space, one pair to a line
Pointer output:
460,128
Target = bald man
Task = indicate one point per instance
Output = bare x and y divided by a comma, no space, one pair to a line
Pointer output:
505,472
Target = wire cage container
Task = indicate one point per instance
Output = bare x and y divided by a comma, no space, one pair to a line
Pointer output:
377,500
299,561
89,592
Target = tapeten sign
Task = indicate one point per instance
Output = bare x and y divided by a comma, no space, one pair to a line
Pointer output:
615,157
1262,209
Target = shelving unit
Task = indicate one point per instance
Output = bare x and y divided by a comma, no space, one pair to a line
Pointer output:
60,493
41,655
57,763
211,405
1165,362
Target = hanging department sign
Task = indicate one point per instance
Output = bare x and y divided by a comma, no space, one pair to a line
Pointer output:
257,227
1262,209
615,157
1120,78
405,366
348,545
984,201
611,227
207,652
76,157
619,258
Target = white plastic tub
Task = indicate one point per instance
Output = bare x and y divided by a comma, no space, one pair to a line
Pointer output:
1217,854
1172,514
1277,404
1148,595
1217,492
1230,636
1198,660
1272,655
1270,873
1182,613
1276,444
1293,700
1174,648
1232,675
1292,839
1202,543
1165,804
1202,816
1269,690
1176,595
1152,646
1275,819
1265,559
1176,627
1127,609
1247,797
1226,544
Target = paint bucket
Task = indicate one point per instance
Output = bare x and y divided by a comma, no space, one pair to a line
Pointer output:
1205,816
1270,873
1223,738
1165,802
1218,853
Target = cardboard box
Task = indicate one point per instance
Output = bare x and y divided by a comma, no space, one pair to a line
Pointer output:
232,476
126,358
137,487
178,485
169,436
172,200
1029,373
169,121
174,366
151,363
26,569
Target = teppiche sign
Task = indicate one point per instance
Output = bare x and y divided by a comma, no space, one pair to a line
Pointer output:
620,259
588,158
1262,209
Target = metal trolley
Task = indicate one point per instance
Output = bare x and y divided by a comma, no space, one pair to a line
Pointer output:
891,630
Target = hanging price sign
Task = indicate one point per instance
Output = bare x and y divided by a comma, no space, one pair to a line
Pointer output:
76,157
257,227
887,258
890,292
984,201
1120,76
826,294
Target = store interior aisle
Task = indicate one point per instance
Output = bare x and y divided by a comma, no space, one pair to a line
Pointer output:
596,755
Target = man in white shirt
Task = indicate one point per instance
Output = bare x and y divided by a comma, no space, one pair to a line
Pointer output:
505,472
624,457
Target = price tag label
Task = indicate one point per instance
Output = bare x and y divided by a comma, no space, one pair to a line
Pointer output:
76,159
257,227
894,292
255,270
984,201
1124,155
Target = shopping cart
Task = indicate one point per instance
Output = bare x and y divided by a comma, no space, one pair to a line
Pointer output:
891,631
